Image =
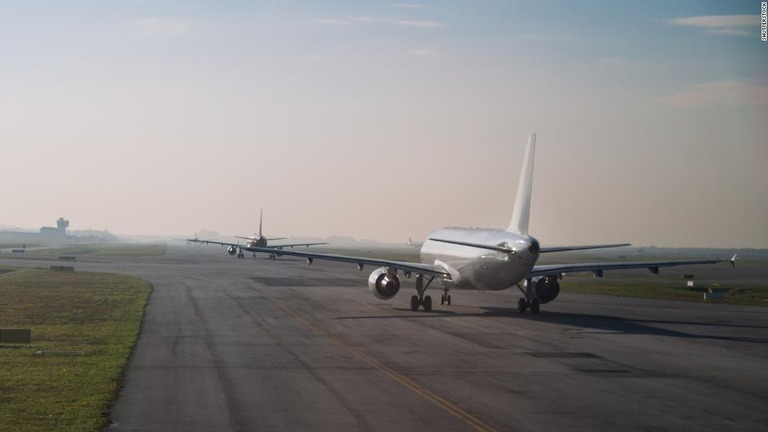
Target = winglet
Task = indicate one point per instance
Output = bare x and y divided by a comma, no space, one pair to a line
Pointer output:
733,260
522,210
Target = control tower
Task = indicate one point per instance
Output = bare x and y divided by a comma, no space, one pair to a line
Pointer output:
60,230
62,225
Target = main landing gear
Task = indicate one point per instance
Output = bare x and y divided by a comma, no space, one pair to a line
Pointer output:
445,298
529,301
421,299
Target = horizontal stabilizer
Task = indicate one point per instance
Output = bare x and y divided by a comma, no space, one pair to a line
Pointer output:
256,238
498,248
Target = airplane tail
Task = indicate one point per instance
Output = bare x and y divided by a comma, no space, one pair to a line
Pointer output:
522,210
261,217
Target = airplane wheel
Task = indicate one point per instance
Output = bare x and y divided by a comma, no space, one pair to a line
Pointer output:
534,306
442,299
522,305
427,304
448,299
414,303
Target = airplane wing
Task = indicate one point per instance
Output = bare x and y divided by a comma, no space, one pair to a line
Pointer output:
280,246
243,246
575,248
256,238
598,268
421,268
193,240
212,242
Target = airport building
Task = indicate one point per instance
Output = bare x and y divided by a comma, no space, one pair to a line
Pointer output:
46,234
58,232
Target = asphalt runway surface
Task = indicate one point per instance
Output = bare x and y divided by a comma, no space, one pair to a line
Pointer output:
256,344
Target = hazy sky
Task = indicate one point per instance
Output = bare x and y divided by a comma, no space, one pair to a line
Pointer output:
387,120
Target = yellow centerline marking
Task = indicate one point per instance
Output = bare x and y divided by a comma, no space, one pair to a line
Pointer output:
449,407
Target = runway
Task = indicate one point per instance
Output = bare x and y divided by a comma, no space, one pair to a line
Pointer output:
256,344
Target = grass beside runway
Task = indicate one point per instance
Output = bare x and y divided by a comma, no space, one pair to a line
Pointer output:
667,290
116,250
18,244
84,326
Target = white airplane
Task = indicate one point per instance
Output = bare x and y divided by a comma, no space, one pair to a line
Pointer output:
256,241
487,259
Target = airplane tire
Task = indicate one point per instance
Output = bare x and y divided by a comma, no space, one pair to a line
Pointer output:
535,306
448,299
442,299
414,303
522,305
427,304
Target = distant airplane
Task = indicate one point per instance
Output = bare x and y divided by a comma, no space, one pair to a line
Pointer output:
487,259
412,244
256,241
193,240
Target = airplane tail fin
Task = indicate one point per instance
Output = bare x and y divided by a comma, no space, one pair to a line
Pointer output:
261,217
522,210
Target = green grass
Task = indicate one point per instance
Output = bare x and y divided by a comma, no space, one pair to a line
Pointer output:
667,290
84,326
18,244
117,250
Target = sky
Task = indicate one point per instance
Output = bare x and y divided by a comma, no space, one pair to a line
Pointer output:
384,121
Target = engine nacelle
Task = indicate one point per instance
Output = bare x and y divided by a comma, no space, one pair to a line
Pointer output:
382,286
547,288
231,250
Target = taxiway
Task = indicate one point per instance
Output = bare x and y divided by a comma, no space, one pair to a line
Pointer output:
256,344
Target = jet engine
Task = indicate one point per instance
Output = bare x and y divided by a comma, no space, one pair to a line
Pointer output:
547,288
383,286
231,250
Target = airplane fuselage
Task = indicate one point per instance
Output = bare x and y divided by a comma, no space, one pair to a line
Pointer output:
258,241
477,268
